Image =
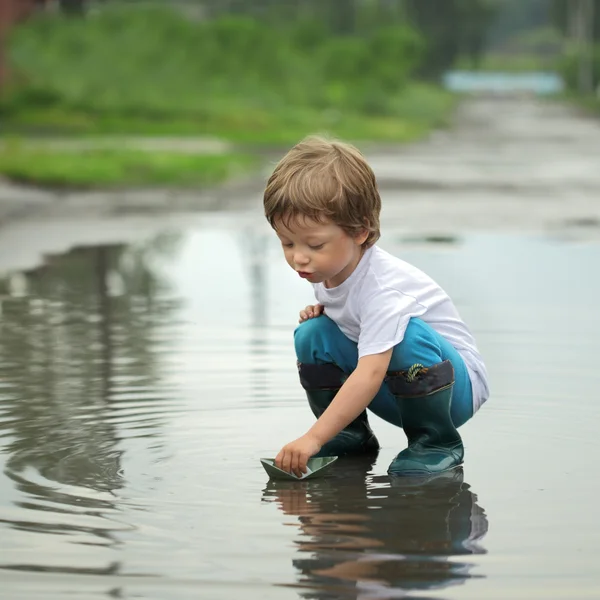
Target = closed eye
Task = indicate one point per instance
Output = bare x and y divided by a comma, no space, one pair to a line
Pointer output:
318,247
286,244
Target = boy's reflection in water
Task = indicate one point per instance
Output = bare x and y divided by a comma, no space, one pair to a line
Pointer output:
370,537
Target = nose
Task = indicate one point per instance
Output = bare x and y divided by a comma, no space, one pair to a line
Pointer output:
300,259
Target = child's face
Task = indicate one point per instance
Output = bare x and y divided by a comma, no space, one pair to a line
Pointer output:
319,252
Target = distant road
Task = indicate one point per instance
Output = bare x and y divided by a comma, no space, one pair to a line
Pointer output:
507,163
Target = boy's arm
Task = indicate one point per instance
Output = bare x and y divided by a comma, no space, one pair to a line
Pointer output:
353,397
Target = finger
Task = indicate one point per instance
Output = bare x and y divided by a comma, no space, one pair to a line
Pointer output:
303,315
309,311
279,459
286,462
295,467
319,309
302,463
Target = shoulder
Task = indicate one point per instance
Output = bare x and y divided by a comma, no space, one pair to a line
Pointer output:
390,274
391,268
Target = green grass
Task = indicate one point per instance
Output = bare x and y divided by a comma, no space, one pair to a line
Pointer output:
421,107
592,104
512,63
151,72
118,168
588,104
416,111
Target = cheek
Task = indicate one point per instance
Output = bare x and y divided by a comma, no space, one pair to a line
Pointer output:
343,253
287,252
335,259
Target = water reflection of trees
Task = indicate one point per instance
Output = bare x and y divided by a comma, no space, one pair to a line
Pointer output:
254,245
372,537
77,344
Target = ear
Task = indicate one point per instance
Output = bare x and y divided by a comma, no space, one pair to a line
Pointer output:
361,237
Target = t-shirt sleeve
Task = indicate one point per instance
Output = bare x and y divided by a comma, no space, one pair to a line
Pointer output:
384,315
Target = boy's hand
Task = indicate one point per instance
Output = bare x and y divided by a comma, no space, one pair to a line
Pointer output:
294,456
310,312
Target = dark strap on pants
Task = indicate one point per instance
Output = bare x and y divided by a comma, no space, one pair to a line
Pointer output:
321,377
425,381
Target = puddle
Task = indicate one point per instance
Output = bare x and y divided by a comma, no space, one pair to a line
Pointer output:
140,384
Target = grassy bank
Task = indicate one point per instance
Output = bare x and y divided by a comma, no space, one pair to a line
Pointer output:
512,63
419,109
589,105
118,168
152,72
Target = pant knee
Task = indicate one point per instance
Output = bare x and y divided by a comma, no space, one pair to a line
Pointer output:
421,344
310,337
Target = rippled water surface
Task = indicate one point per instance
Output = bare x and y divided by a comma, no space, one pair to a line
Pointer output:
140,384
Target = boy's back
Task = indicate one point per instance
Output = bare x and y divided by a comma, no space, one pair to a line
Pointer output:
374,305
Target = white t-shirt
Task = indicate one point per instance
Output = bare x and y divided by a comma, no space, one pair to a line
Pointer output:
374,305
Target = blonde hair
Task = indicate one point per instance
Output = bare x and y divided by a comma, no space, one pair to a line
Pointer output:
325,180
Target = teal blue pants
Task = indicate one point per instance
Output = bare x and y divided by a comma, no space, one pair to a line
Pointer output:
320,340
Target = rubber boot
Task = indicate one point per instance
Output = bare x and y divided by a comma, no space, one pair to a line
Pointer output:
322,383
424,395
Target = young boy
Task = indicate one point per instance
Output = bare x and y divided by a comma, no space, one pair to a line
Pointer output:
383,335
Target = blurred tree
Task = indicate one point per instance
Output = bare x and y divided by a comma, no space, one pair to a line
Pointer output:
5,20
450,28
477,17
72,7
563,13
11,12
515,16
579,20
343,16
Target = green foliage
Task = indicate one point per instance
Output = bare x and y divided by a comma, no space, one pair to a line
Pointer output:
110,168
511,63
541,40
569,65
450,28
156,63
398,46
422,102
563,10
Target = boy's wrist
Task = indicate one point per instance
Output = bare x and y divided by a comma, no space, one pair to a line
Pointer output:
315,433
357,392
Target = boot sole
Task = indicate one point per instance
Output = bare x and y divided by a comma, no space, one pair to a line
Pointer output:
414,473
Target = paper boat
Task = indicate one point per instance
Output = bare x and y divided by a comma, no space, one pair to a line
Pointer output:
316,467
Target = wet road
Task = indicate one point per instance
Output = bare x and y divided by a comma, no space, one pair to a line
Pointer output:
146,364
